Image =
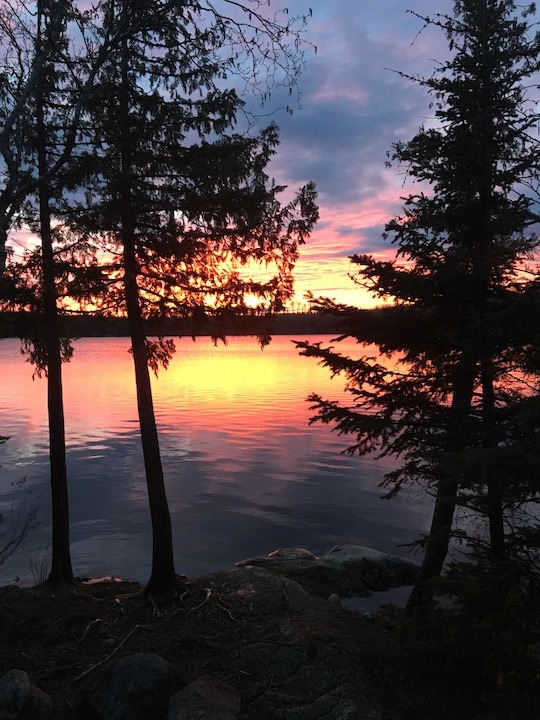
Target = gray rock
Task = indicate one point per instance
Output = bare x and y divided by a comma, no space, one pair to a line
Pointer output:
20,700
203,699
331,707
280,654
262,589
297,564
361,567
335,600
135,687
345,570
318,692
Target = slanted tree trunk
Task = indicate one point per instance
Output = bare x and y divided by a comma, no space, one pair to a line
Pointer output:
61,571
446,494
162,582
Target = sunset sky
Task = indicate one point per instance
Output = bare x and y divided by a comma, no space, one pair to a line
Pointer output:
353,107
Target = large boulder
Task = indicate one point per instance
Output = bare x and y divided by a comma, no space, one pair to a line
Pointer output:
346,570
361,567
20,700
135,687
202,699
337,705
261,589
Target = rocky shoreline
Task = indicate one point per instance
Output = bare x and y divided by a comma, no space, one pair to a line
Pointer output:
267,639
343,571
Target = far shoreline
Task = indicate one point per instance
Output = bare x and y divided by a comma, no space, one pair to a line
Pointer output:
14,325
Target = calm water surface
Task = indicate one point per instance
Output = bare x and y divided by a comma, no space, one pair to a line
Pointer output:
245,473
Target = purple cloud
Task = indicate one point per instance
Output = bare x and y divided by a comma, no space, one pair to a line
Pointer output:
355,105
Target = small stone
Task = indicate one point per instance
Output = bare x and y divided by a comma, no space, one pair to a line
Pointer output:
335,600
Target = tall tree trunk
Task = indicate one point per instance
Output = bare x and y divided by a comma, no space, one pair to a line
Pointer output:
446,494
3,250
483,272
61,571
495,492
162,582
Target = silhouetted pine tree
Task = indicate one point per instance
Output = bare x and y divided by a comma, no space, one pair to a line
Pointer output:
120,103
178,205
462,241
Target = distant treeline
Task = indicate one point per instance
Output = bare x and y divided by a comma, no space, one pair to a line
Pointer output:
24,325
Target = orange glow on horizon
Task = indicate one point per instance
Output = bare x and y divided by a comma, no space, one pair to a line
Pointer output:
323,266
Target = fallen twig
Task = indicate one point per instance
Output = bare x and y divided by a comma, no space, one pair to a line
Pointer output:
222,607
85,633
207,597
91,669
109,656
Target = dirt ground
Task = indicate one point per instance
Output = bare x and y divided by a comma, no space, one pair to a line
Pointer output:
215,628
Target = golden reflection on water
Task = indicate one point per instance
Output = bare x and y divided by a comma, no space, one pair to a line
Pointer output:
240,379
244,471
236,386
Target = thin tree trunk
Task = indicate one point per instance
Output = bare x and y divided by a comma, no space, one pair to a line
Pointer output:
492,481
61,571
162,582
6,214
483,272
3,250
446,495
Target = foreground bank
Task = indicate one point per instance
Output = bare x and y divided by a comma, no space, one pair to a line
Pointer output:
250,643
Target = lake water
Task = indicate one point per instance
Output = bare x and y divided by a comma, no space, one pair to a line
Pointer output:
245,473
